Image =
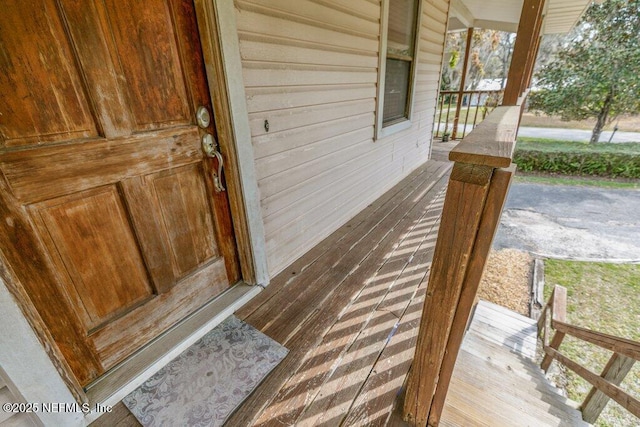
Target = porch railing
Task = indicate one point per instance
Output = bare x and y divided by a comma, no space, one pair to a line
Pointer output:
474,108
473,204
606,385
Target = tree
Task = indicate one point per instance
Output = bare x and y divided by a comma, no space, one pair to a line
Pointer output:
596,71
489,58
548,50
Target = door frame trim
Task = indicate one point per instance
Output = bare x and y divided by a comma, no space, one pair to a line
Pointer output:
223,64
219,39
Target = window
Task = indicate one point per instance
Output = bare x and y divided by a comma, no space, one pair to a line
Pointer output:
397,67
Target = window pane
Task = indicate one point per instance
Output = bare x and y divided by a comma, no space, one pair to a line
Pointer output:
402,24
396,90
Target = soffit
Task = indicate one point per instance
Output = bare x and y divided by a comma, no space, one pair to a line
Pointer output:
504,15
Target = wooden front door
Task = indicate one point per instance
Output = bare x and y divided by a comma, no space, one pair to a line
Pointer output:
110,219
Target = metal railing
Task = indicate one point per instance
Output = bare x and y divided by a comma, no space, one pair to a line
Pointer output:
452,123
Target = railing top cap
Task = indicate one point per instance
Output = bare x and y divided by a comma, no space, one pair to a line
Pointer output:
492,142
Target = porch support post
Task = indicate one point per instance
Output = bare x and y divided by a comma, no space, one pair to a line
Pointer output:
529,76
524,51
475,197
496,196
463,81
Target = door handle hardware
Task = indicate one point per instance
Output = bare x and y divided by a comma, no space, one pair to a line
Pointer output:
217,177
209,145
203,117
210,148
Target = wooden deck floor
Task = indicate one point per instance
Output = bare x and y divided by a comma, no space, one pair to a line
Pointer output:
349,312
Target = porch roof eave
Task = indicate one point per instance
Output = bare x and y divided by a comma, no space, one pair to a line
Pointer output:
504,15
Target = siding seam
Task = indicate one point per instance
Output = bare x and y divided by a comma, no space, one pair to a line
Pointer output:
278,13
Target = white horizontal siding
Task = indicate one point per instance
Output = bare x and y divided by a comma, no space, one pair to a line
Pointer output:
310,70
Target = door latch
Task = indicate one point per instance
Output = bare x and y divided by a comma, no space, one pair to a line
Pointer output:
210,148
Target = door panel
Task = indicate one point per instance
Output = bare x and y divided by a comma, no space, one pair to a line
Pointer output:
156,87
94,51
108,182
90,233
48,101
115,340
182,199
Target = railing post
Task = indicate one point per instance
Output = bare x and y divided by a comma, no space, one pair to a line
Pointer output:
463,79
441,102
464,202
558,313
615,372
555,344
473,204
497,194
542,321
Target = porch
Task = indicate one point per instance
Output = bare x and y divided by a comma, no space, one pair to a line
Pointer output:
349,311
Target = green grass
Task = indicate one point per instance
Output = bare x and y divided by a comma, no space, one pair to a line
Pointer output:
603,297
560,146
463,114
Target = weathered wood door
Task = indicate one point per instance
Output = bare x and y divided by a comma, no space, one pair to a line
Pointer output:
110,219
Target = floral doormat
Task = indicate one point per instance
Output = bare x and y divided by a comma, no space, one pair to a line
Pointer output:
209,380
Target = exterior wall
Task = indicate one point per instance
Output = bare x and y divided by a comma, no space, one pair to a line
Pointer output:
310,70
26,366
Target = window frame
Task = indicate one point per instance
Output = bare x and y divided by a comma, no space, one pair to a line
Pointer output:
382,131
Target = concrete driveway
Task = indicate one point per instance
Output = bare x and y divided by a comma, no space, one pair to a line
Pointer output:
581,223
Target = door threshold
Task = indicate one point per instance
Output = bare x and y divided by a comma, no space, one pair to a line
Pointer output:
121,380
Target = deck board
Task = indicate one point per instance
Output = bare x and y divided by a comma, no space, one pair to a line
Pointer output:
343,253
398,282
287,277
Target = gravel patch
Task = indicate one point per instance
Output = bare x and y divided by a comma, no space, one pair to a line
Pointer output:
506,280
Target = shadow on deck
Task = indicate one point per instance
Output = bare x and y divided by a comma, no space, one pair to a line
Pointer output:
349,312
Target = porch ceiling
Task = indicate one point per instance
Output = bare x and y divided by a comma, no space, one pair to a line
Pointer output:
504,15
